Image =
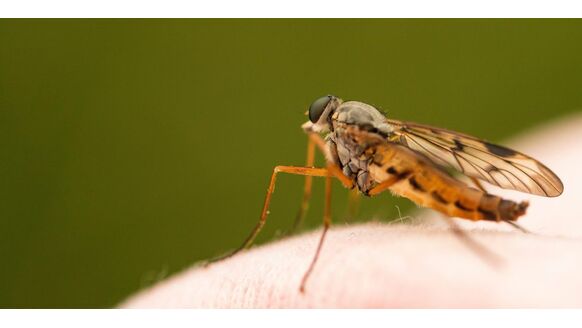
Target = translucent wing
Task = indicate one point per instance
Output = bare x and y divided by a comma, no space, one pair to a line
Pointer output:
480,159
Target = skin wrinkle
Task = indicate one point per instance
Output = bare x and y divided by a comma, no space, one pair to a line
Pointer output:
421,265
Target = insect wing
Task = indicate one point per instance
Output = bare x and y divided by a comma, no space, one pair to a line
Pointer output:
480,159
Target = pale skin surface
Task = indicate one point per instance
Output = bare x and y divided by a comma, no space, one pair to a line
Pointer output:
418,265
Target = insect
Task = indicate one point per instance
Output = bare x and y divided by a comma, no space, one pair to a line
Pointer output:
368,152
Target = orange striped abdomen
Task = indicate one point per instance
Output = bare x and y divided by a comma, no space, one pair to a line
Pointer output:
421,181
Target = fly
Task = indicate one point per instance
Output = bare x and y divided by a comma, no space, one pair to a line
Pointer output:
370,153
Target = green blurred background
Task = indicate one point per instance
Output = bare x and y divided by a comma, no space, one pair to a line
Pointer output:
131,149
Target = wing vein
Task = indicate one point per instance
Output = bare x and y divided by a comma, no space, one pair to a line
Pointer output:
479,159
462,155
455,154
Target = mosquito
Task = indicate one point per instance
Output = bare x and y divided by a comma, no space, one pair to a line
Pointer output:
371,154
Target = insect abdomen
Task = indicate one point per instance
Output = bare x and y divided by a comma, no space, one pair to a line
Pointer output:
429,186
460,200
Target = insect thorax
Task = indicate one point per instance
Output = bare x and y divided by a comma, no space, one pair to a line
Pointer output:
348,154
351,158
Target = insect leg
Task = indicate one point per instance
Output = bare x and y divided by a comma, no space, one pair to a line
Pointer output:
353,204
478,184
333,168
313,141
511,223
387,183
326,224
307,188
488,256
307,171
517,226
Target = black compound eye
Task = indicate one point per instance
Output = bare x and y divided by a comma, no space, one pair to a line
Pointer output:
317,108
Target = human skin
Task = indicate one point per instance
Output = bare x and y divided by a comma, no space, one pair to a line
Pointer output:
420,265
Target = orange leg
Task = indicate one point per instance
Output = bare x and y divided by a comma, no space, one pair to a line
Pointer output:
334,169
353,204
307,188
313,141
326,224
330,171
307,171
387,184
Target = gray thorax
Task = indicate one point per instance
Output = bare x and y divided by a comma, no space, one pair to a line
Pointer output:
345,152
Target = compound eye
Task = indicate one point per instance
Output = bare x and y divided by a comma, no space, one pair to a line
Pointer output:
317,108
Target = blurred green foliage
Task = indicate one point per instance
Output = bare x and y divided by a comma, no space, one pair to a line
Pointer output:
132,148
